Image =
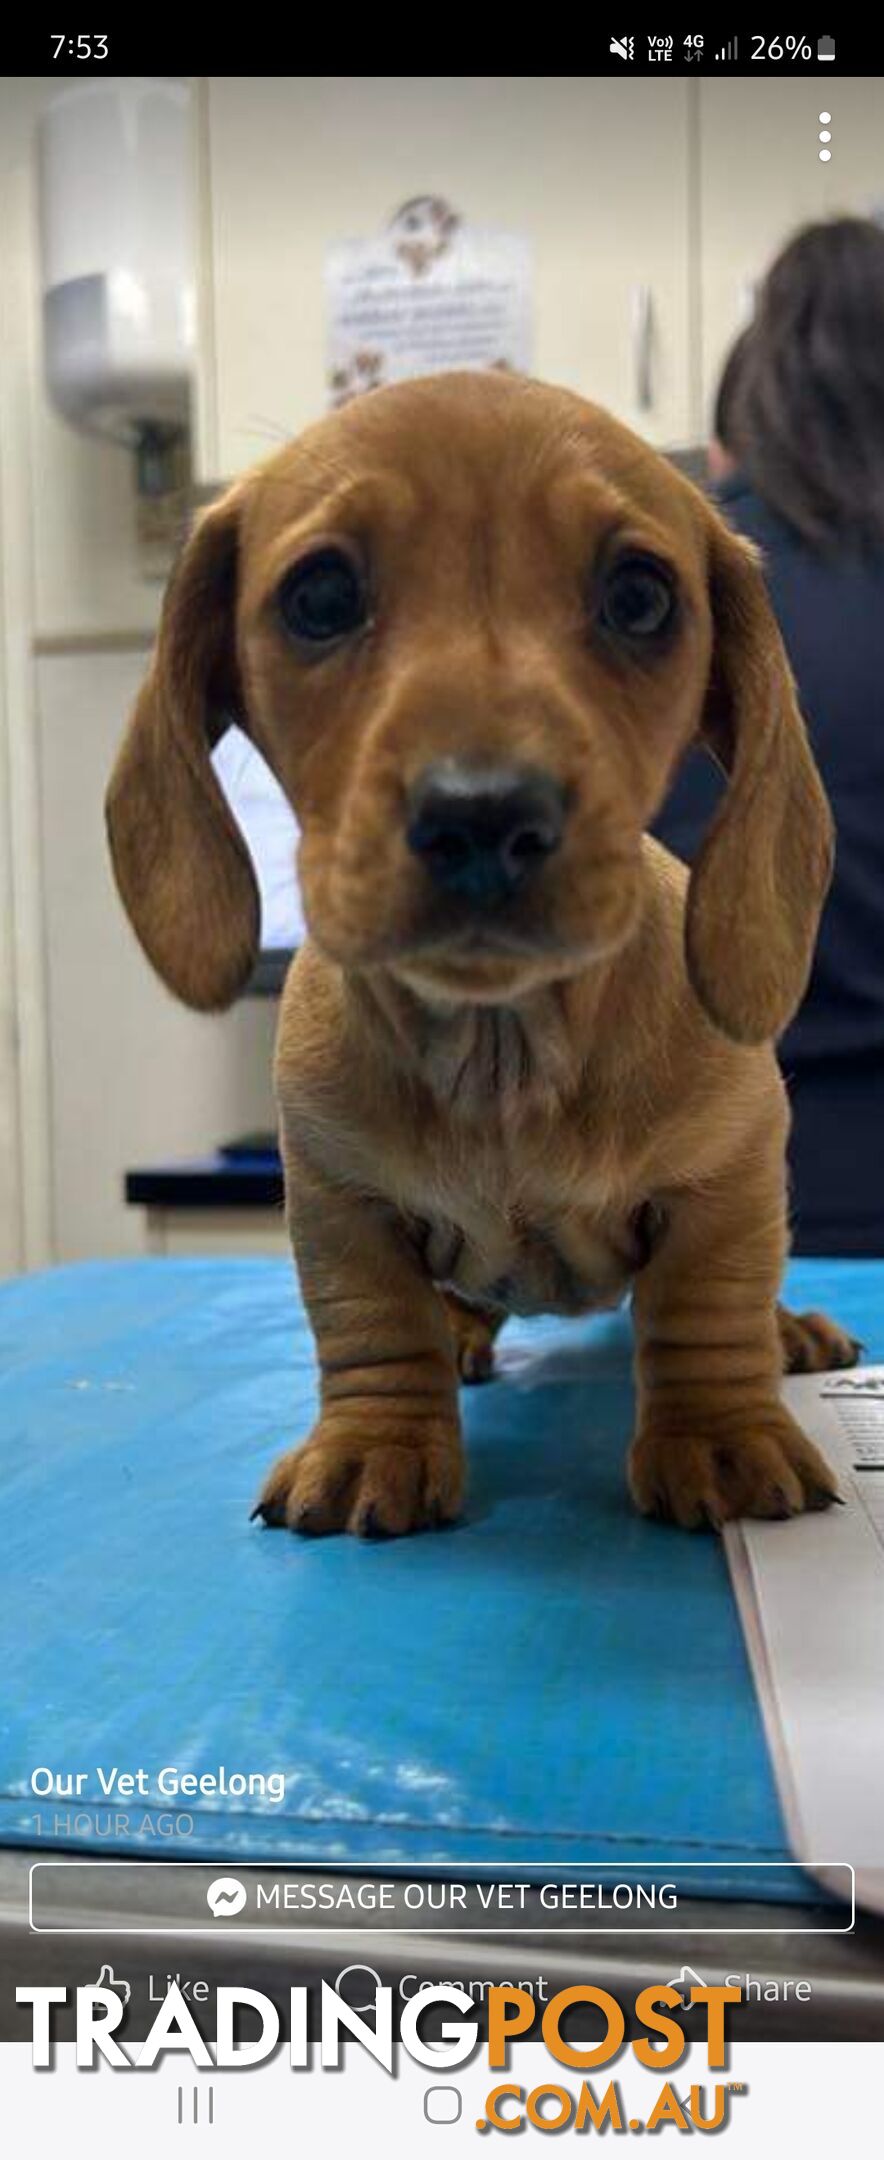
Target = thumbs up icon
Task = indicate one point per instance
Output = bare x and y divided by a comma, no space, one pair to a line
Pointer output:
106,1980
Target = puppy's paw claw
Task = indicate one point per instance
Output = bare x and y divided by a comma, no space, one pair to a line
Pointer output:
813,1343
376,1489
769,1469
475,1363
473,1331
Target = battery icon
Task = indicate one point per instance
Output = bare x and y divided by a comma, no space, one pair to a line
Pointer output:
825,48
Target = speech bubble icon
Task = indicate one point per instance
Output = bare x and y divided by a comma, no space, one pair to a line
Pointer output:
225,1897
359,1986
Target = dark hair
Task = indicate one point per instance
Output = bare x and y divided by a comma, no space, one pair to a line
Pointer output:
726,394
804,405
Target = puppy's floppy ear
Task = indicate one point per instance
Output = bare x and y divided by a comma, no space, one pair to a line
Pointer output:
760,880
181,865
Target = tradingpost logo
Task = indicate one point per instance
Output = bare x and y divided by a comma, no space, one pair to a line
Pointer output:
661,2045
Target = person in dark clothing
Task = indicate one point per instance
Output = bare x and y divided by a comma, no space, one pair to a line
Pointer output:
800,428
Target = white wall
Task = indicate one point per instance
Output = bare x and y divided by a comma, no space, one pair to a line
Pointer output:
594,175
10,1138
24,1183
99,1069
135,1078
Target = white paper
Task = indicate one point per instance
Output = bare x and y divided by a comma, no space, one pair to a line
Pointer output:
270,831
811,1598
429,294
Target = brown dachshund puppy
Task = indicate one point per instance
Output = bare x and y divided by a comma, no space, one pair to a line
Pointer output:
523,1060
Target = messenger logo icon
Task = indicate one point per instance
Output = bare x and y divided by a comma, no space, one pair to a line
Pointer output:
225,1897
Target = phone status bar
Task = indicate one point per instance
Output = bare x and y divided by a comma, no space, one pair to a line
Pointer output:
248,47
737,52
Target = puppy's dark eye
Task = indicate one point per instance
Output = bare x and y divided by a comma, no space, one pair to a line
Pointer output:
638,600
323,598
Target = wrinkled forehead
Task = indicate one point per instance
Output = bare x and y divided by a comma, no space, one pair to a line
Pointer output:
479,452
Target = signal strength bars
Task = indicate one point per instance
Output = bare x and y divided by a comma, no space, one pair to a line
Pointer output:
728,51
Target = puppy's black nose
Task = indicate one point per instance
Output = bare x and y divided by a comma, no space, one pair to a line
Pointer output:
483,831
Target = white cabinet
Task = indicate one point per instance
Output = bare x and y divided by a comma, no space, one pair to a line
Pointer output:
595,175
655,196
760,177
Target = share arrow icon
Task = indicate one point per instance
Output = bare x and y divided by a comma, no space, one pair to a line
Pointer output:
684,1981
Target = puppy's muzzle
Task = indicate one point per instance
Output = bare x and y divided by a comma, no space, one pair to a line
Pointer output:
482,832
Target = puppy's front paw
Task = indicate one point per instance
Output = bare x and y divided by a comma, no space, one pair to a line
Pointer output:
757,1465
812,1342
374,1486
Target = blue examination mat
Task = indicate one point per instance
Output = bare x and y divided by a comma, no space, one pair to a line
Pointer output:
553,1681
